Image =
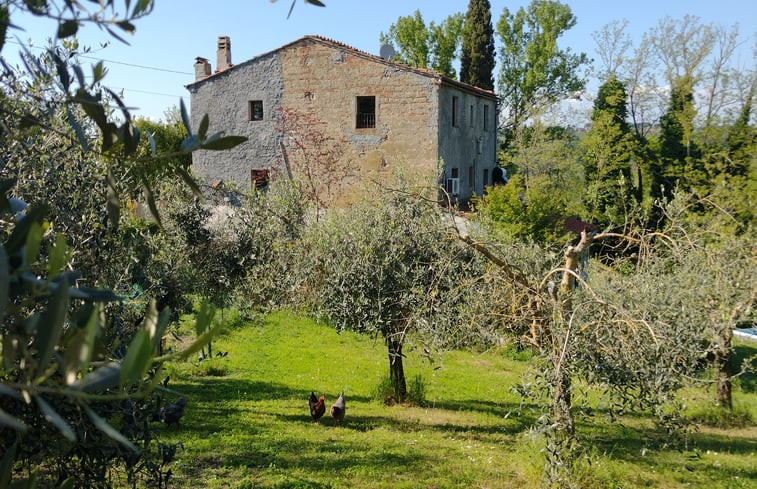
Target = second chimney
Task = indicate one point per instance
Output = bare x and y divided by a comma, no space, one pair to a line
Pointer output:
224,53
202,68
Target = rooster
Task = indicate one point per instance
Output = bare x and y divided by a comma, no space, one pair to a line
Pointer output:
337,409
317,406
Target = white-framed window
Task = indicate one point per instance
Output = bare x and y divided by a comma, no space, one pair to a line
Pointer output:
452,185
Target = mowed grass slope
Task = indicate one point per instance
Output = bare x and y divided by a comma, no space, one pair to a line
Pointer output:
251,427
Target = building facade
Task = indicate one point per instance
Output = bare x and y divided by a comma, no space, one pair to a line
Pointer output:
387,113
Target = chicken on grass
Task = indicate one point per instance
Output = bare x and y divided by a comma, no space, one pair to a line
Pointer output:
337,410
317,406
171,413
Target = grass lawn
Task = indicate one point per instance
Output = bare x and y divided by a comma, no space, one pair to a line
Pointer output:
250,426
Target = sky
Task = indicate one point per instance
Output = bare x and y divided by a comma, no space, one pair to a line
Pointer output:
154,69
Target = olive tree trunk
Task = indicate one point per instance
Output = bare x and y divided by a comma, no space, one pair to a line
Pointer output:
396,369
723,367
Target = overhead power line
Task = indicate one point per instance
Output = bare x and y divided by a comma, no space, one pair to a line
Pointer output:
115,62
146,91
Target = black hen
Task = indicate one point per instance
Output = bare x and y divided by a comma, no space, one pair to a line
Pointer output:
317,406
172,413
338,408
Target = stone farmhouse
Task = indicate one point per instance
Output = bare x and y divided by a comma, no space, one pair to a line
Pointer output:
388,113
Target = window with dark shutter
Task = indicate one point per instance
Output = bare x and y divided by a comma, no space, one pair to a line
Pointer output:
366,113
256,110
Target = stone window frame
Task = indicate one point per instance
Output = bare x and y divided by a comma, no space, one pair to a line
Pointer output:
255,110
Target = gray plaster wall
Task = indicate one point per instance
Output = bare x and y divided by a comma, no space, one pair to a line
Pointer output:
467,145
225,98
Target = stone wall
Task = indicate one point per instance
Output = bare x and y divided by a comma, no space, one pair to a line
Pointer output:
467,144
225,97
326,81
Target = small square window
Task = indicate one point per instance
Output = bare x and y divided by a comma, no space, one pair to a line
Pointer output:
453,173
366,113
255,108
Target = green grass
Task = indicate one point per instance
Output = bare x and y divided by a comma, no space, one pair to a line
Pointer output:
251,427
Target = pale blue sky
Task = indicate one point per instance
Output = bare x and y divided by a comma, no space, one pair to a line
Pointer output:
179,30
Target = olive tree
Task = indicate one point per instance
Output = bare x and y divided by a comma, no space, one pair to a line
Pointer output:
386,267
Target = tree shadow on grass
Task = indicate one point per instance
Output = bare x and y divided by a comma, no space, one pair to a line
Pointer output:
641,447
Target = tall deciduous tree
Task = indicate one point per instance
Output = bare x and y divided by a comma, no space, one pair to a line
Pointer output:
445,43
434,46
535,72
410,38
477,56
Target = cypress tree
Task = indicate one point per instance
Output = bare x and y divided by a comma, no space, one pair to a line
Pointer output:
741,141
609,149
477,54
680,158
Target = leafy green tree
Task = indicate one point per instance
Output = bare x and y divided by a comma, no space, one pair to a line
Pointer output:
535,213
477,53
411,40
445,44
434,46
609,151
535,72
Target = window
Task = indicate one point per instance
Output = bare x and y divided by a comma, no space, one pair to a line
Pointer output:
255,108
486,117
471,115
366,113
452,185
486,177
454,111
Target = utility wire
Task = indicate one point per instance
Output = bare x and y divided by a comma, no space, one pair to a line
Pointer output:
136,66
145,91
114,62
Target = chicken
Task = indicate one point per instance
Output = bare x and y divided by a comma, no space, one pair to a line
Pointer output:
337,409
172,413
317,406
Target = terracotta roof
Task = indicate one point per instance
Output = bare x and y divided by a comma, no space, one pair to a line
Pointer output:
357,52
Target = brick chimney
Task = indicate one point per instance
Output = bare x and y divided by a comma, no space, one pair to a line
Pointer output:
224,53
202,68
